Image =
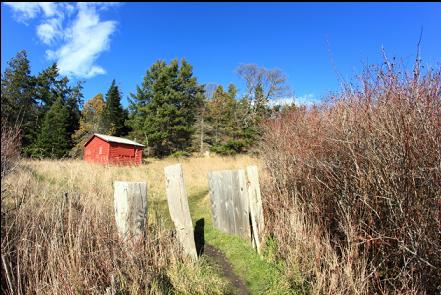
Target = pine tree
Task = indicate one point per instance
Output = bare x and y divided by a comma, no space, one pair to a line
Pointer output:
202,127
73,102
246,126
217,109
47,88
54,138
232,91
114,115
18,106
50,88
164,109
226,119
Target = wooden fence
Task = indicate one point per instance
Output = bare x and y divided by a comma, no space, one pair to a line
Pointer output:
236,206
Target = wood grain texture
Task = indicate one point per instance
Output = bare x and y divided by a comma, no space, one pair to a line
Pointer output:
256,210
130,202
178,206
229,201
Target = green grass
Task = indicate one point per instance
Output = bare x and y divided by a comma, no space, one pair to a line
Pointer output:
260,275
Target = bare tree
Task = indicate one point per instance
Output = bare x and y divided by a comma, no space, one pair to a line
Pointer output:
272,81
262,85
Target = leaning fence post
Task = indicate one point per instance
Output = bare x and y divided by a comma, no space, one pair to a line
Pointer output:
178,207
130,200
256,211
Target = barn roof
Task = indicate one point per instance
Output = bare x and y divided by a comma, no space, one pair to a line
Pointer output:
109,138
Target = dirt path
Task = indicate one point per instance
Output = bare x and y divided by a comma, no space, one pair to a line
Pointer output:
226,270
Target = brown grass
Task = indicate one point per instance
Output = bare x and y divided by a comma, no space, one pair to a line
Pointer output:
59,235
357,183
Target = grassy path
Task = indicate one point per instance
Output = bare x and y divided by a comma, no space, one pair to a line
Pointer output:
235,260
259,275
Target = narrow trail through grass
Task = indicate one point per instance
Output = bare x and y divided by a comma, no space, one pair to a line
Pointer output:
258,275
233,258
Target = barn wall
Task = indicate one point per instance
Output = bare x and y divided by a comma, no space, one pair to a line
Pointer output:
97,151
138,155
123,154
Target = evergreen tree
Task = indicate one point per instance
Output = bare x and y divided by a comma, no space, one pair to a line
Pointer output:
232,91
114,116
248,129
18,106
50,88
260,104
73,102
47,88
164,109
226,117
54,138
217,109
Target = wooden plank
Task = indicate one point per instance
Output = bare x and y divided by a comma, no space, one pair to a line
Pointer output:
130,202
229,201
178,207
241,204
214,198
255,205
221,199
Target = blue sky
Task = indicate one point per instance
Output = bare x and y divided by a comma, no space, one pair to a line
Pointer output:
309,42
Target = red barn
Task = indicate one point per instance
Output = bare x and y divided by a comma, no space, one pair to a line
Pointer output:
107,149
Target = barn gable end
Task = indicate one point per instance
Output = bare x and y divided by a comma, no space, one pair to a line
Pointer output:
97,150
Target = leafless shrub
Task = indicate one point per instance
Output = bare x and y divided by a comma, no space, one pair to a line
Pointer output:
358,183
10,147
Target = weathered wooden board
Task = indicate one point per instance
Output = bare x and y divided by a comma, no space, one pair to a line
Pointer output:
220,185
256,210
130,202
178,207
229,201
241,205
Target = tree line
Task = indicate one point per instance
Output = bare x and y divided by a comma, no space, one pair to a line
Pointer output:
170,112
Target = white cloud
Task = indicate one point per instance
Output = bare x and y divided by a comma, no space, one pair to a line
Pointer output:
282,101
307,100
86,39
76,44
49,8
50,30
24,11
304,100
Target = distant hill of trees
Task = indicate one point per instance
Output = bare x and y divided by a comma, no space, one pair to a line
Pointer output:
170,112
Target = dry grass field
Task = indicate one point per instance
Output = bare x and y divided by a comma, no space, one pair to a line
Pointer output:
94,182
59,237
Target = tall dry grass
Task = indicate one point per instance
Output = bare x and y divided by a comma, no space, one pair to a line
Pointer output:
59,234
357,184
